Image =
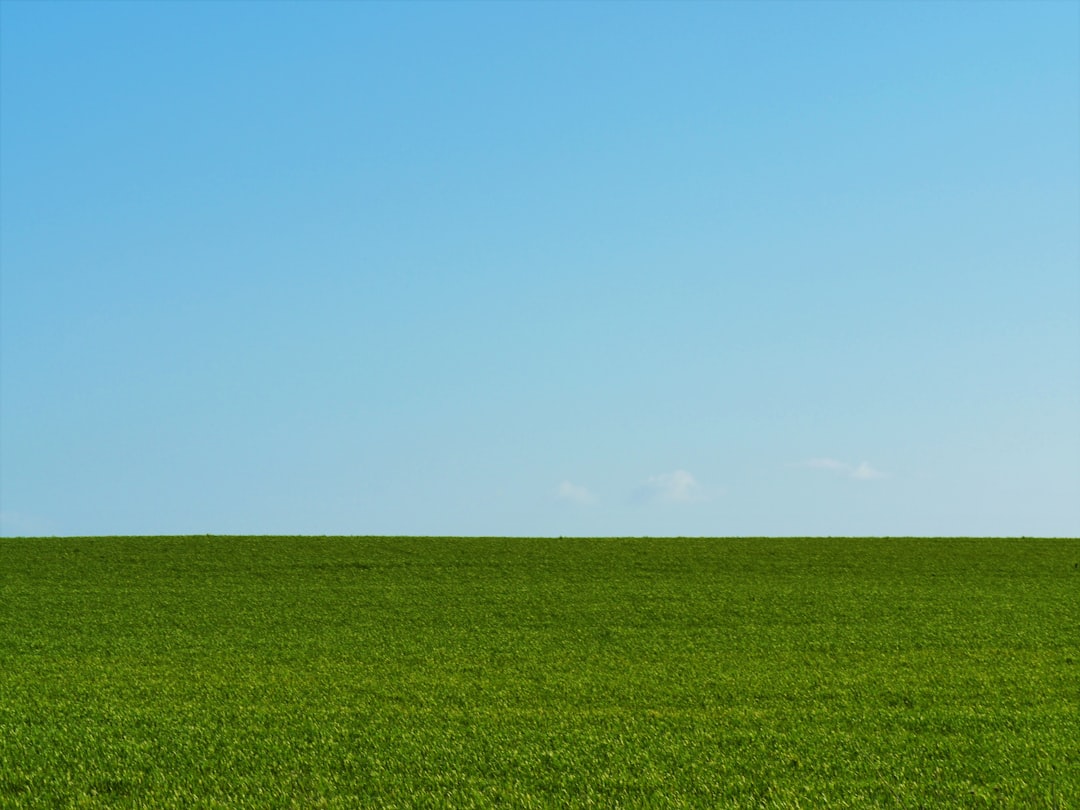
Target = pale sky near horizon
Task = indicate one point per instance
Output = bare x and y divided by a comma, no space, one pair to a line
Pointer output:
540,268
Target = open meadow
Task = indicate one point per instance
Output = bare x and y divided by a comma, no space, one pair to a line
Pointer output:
424,672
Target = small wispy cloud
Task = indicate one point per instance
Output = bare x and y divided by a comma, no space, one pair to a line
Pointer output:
860,472
576,493
678,486
864,472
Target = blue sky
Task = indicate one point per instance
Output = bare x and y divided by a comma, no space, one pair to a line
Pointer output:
540,269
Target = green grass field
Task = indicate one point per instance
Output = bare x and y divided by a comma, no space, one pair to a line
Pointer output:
425,672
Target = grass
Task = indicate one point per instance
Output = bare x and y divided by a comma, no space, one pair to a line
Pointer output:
422,672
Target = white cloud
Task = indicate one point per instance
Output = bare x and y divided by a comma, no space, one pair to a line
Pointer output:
864,472
574,492
673,487
860,472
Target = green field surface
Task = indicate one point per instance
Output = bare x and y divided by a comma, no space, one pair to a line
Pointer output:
306,672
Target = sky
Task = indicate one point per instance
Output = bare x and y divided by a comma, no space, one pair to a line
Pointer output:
578,269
